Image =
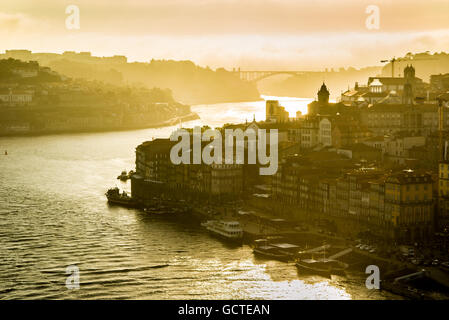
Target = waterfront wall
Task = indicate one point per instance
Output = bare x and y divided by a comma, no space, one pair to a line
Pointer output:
350,226
46,124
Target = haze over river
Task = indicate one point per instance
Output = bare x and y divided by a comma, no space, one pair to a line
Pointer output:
53,213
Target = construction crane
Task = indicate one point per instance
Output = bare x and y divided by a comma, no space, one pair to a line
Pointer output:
392,61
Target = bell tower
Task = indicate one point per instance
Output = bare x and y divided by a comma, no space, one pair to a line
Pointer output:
323,94
409,73
409,76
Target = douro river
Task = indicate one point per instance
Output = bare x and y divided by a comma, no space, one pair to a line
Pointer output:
53,214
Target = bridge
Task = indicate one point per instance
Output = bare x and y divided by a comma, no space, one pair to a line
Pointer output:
257,75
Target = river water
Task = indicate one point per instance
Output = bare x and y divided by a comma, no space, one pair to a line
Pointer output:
53,213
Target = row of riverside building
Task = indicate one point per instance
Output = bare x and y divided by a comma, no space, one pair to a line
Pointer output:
157,176
395,206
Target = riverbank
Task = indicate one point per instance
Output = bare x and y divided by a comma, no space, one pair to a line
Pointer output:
25,130
257,224
55,214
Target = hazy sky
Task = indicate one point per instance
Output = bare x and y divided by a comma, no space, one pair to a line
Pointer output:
260,34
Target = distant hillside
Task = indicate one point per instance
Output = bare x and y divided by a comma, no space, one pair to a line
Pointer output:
189,83
425,63
25,73
37,100
307,84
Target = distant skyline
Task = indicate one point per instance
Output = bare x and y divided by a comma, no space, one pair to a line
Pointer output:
257,34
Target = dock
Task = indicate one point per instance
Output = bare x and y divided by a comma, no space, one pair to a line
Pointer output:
439,276
317,249
341,254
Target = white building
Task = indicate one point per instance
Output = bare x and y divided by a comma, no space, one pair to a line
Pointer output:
26,72
375,86
16,97
325,132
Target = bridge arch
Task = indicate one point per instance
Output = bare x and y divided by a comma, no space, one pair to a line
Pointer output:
255,76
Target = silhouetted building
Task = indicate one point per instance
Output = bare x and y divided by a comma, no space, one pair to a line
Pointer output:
323,95
322,106
378,89
156,176
275,112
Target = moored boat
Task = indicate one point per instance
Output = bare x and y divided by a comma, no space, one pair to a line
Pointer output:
323,267
115,197
227,230
277,251
271,252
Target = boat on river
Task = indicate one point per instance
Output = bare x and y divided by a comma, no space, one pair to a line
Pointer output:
227,230
115,197
323,267
271,252
277,251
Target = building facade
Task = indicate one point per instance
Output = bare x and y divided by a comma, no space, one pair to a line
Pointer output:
409,203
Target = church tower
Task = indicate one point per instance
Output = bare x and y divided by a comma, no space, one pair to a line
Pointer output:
409,76
323,94
407,95
409,73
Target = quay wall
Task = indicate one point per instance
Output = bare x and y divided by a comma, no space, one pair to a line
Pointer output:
348,226
203,207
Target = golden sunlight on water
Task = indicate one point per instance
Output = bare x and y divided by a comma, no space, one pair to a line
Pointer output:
54,214
217,114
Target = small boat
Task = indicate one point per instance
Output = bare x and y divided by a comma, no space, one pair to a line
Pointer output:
115,197
6,152
227,230
323,267
277,251
271,252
